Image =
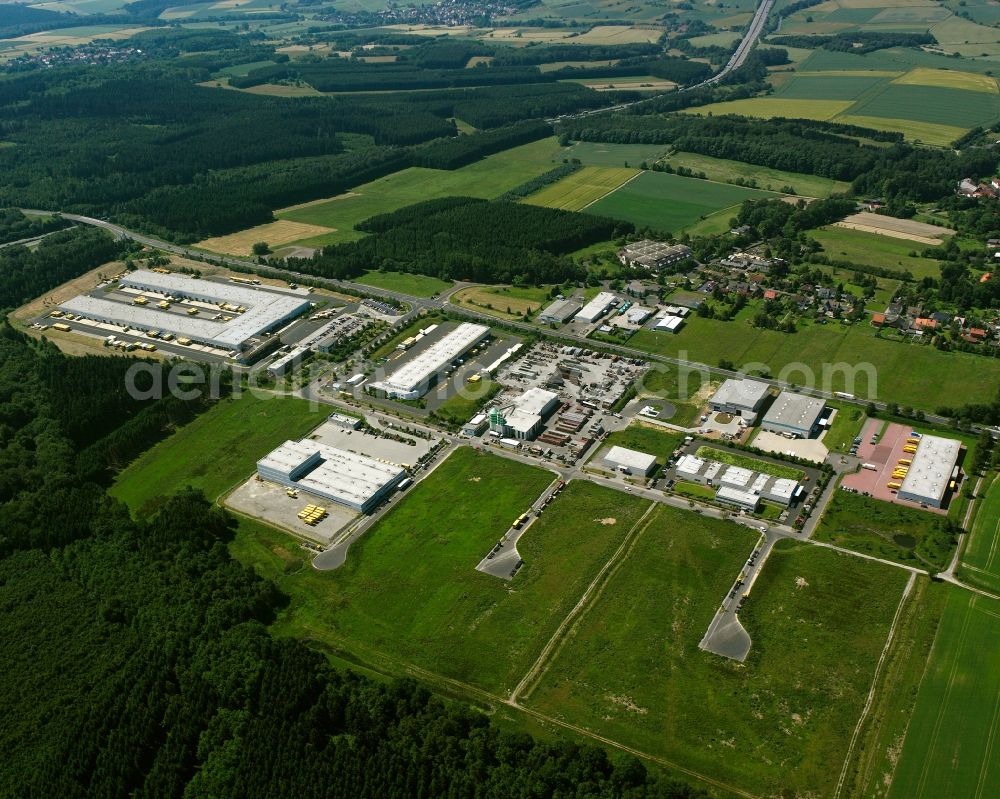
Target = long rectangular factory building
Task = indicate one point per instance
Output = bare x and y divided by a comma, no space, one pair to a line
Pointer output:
414,378
265,309
357,481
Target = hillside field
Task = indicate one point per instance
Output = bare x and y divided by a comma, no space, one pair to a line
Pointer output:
980,564
575,192
217,450
781,721
910,374
670,203
487,178
949,750
409,594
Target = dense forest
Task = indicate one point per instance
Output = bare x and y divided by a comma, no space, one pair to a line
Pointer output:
134,656
15,226
28,273
158,152
466,239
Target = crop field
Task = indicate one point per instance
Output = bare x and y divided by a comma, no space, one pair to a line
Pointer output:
896,59
603,154
937,105
884,529
926,132
872,249
215,451
409,594
415,285
275,234
950,747
918,94
669,203
907,229
768,107
726,171
583,187
969,81
781,721
822,87
910,374
981,559
487,178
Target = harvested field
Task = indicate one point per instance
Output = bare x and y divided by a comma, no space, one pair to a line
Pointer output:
919,232
275,234
922,76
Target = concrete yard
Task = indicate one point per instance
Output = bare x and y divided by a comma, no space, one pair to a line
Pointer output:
810,448
269,502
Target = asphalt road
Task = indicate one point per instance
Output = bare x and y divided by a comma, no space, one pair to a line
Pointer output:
443,301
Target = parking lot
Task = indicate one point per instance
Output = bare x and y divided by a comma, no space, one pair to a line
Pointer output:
884,454
364,443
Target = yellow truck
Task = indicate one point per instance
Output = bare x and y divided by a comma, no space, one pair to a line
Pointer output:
192,311
184,341
894,486
62,327
56,314
905,462
140,301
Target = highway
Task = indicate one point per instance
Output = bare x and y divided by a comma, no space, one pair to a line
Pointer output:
739,56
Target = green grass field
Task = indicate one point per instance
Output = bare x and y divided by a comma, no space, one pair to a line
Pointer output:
980,564
846,425
602,154
726,171
777,725
409,594
415,285
871,249
577,191
487,178
217,450
670,203
950,746
644,438
886,530
749,462
910,374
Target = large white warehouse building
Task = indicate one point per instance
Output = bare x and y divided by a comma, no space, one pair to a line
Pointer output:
357,481
932,470
265,309
414,378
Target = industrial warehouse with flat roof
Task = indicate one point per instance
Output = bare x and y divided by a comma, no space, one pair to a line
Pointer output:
794,414
933,467
414,378
740,397
357,481
264,309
